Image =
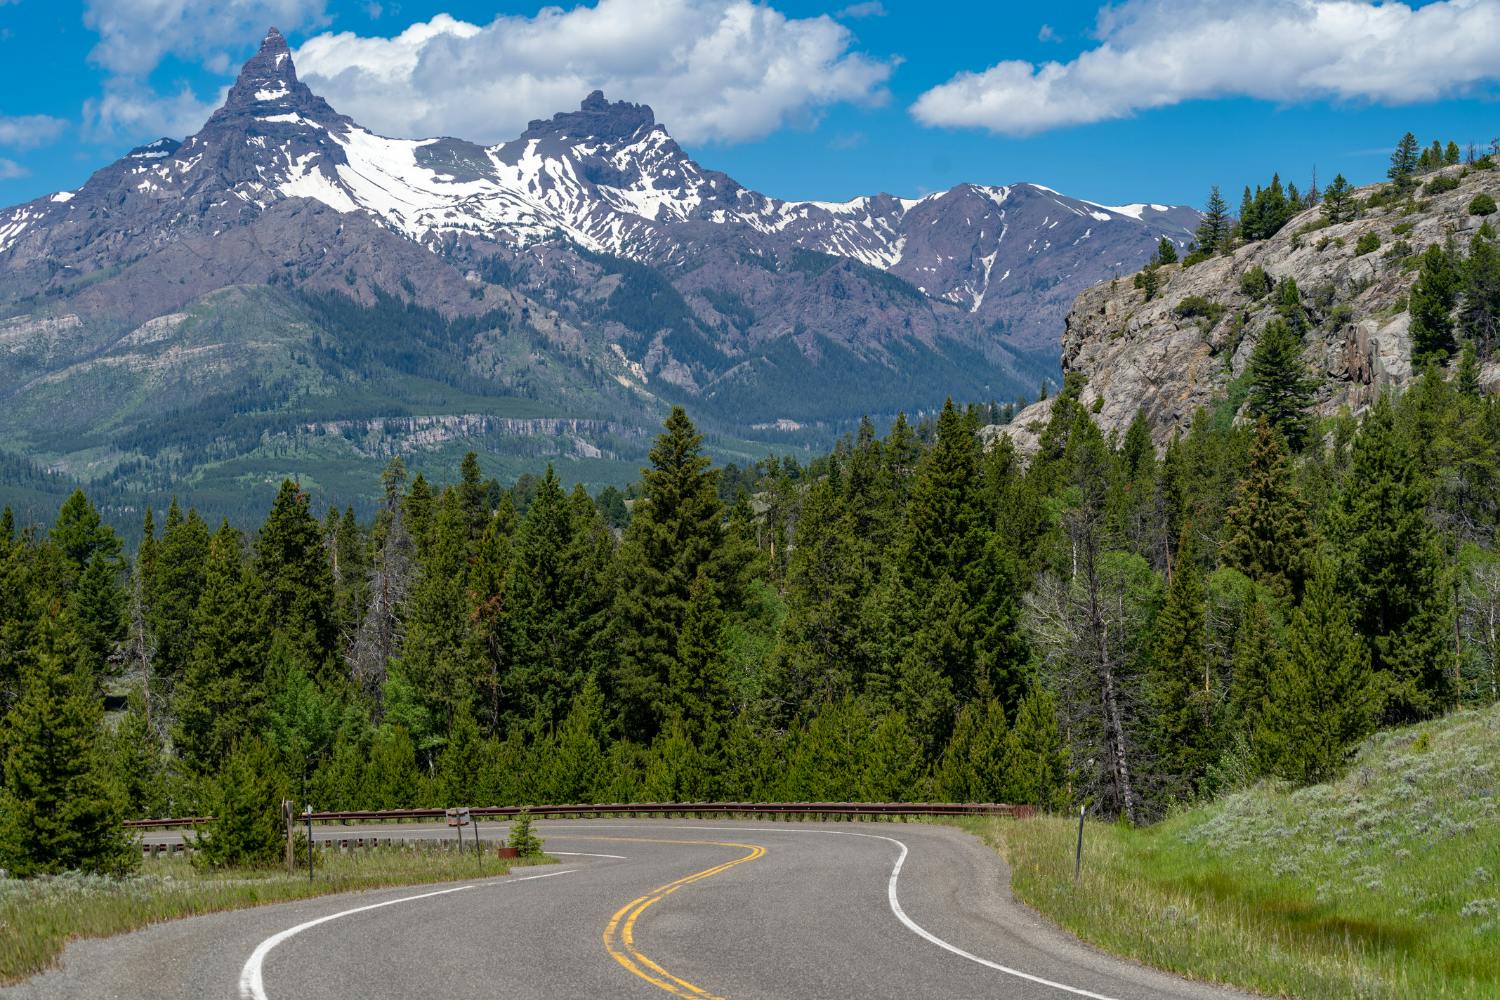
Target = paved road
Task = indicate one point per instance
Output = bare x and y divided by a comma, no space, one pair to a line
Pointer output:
748,911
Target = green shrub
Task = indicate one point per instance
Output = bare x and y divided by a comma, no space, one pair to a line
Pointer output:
1196,305
1196,257
1482,204
1440,185
1403,228
1398,250
1255,282
1485,162
1368,243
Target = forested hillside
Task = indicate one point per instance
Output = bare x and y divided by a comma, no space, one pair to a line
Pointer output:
911,617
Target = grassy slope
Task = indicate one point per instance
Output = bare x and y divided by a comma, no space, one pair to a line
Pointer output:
38,917
1385,883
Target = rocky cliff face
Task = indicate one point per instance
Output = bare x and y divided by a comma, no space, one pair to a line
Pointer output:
1168,360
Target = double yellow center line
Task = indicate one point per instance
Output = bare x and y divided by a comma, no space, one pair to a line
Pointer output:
619,935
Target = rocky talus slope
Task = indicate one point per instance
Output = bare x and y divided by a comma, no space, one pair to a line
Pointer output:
1168,361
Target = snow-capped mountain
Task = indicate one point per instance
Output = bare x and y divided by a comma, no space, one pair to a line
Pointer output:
286,268
608,178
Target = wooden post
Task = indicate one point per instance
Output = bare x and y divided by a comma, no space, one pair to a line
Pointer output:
291,835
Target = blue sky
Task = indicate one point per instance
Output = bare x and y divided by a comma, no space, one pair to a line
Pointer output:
1152,100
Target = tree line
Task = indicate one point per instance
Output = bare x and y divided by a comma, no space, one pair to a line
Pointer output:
913,616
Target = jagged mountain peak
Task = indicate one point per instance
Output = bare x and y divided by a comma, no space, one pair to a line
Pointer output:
268,84
596,118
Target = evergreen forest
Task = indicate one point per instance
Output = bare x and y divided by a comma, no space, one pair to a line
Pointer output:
915,616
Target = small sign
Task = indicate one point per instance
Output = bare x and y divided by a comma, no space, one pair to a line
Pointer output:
458,817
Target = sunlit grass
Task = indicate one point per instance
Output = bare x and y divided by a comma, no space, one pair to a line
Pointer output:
1383,884
38,917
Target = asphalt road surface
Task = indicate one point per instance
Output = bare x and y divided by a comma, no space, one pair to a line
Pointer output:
640,910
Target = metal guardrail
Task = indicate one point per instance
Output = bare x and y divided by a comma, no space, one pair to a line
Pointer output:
826,810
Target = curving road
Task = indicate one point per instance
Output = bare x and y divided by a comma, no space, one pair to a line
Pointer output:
642,909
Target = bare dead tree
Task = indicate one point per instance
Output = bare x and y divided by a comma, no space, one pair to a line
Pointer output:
379,633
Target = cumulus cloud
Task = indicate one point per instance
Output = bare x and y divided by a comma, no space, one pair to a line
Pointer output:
131,108
135,35
10,170
713,70
1155,53
26,131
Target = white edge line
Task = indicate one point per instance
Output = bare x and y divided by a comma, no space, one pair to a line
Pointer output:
581,854
907,921
252,981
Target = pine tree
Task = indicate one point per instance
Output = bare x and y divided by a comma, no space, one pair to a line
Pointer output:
1256,662
827,757
436,660
559,597
702,698
1281,388
892,763
821,655
1269,534
1179,678
1430,303
1404,162
1214,229
138,763
180,561
471,496
1166,252
460,765
575,770
975,765
1479,311
1338,201
244,799
1249,225
1451,154
1037,757
1466,380
676,531
293,564
221,694
1392,567
1321,700
391,779
60,810
92,554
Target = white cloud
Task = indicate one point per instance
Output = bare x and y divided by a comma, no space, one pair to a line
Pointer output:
868,8
132,109
1155,53
135,35
26,131
10,170
713,70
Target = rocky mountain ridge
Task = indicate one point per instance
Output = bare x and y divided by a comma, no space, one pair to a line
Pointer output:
1188,346
196,306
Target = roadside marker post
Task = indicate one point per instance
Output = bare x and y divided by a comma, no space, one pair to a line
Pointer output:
458,819
1078,855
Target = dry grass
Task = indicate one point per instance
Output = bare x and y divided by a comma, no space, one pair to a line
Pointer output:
1383,884
38,917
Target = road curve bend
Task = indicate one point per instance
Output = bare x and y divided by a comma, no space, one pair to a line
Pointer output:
643,909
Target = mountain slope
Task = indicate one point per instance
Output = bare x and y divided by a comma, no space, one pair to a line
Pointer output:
589,267
1168,360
